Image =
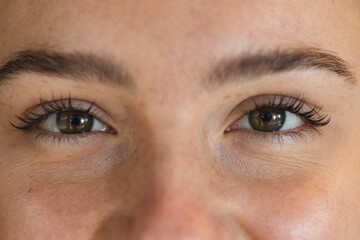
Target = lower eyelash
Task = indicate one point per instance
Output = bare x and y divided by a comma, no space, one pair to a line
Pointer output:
305,134
59,139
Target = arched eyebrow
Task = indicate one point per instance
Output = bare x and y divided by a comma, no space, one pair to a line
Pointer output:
250,66
94,68
74,65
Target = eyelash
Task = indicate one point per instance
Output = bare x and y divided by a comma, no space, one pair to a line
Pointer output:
30,119
313,117
295,105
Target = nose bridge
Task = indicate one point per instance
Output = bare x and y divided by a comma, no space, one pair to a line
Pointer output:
172,149
174,201
177,202
173,207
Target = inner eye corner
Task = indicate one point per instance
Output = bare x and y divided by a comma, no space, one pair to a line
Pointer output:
230,126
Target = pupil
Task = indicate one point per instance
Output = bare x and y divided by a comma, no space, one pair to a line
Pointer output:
73,122
267,119
76,120
266,116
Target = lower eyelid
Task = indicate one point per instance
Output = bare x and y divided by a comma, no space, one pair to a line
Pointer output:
68,140
278,140
249,162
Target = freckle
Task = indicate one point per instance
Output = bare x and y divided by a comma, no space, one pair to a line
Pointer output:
30,190
68,156
226,97
238,95
59,210
142,104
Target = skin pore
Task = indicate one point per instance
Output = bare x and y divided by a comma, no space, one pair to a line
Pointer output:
169,79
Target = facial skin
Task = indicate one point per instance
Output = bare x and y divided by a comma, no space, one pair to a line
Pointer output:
169,170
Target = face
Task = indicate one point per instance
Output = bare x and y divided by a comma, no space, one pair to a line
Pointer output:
179,119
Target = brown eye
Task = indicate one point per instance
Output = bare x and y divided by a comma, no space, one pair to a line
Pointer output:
72,122
267,119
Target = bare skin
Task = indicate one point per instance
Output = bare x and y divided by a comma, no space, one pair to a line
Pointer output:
168,169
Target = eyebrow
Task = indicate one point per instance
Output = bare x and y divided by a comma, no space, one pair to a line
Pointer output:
90,67
75,65
278,61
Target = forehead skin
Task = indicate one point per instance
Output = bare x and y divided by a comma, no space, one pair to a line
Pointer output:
167,45
171,30
168,32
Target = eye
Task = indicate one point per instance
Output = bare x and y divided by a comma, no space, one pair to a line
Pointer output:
268,119
72,122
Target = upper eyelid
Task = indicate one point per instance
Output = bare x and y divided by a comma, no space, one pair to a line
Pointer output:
53,106
283,102
298,100
66,104
45,108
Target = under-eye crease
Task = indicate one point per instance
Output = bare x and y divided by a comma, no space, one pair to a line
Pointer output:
270,115
59,119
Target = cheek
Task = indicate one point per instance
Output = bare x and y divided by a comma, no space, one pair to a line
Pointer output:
305,215
60,214
43,209
313,220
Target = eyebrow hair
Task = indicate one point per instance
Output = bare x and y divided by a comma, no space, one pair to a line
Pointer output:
278,61
90,67
75,65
